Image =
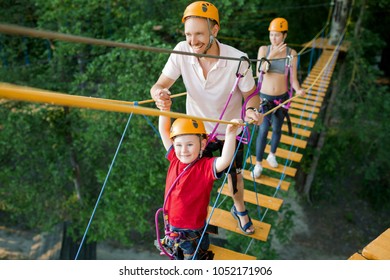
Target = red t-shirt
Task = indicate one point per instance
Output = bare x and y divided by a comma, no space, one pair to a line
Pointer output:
188,201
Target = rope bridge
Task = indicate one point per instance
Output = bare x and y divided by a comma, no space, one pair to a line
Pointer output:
303,111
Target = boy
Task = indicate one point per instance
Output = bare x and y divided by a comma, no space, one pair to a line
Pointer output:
189,182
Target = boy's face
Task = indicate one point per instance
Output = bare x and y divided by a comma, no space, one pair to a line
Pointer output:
187,147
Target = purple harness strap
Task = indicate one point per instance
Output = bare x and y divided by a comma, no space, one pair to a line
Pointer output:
213,135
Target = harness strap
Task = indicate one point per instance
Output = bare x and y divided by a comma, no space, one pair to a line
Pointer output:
275,103
213,134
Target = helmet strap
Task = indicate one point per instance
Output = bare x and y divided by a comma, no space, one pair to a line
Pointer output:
211,37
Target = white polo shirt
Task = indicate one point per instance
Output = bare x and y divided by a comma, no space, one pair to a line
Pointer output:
207,97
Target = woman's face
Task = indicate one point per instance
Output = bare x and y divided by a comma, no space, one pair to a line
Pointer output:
276,37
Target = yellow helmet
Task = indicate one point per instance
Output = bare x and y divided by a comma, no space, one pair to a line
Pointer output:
201,9
278,25
186,126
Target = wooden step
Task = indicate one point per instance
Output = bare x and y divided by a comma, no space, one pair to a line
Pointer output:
379,248
310,100
319,81
357,256
224,219
290,140
286,154
282,153
303,114
325,78
290,171
304,107
266,180
252,197
319,90
301,122
296,130
226,254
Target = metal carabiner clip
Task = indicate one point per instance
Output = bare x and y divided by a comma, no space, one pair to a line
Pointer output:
289,59
263,59
238,74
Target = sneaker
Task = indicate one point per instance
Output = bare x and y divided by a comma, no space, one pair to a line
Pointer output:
272,160
257,171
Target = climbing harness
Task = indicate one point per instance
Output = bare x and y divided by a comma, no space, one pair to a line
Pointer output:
245,135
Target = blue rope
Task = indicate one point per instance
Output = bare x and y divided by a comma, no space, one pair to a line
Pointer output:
217,198
103,187
152,125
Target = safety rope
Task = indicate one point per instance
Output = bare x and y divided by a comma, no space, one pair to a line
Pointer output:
26,31
103,187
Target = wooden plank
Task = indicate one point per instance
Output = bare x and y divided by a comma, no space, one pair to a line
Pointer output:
301,122
286,154
305,107
226,254
282,153
357,256
252,197
290,140
296,130
290,171
224,219
310,101
379,248
320,90
304,114
266,180
324,78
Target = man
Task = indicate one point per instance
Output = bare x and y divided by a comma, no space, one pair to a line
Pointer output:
209,82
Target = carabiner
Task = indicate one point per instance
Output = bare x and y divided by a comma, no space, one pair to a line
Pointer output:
239,65
289,59
261,62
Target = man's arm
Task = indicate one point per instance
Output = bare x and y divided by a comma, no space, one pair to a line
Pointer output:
252,106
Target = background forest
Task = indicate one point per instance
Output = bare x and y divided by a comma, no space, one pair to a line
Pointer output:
54,160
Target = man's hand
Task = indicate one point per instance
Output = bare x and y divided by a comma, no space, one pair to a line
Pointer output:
253,116
162,97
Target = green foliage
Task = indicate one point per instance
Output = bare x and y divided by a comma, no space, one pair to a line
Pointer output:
355,151
55,161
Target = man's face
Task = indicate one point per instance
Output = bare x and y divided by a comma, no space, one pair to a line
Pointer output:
197,33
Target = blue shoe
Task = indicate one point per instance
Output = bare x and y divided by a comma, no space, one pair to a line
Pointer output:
236,215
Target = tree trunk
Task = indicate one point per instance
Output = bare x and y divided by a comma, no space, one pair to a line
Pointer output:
70,247
339,20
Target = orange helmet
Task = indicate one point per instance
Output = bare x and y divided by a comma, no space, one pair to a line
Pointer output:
186,126
201,9
278,25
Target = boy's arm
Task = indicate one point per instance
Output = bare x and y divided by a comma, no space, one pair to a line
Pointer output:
164,126
229,147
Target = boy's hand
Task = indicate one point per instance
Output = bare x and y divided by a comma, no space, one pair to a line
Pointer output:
232,128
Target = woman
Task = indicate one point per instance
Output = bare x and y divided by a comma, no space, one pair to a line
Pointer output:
274,88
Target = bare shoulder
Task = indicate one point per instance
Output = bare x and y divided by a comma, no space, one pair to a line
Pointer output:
262,51
293,52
